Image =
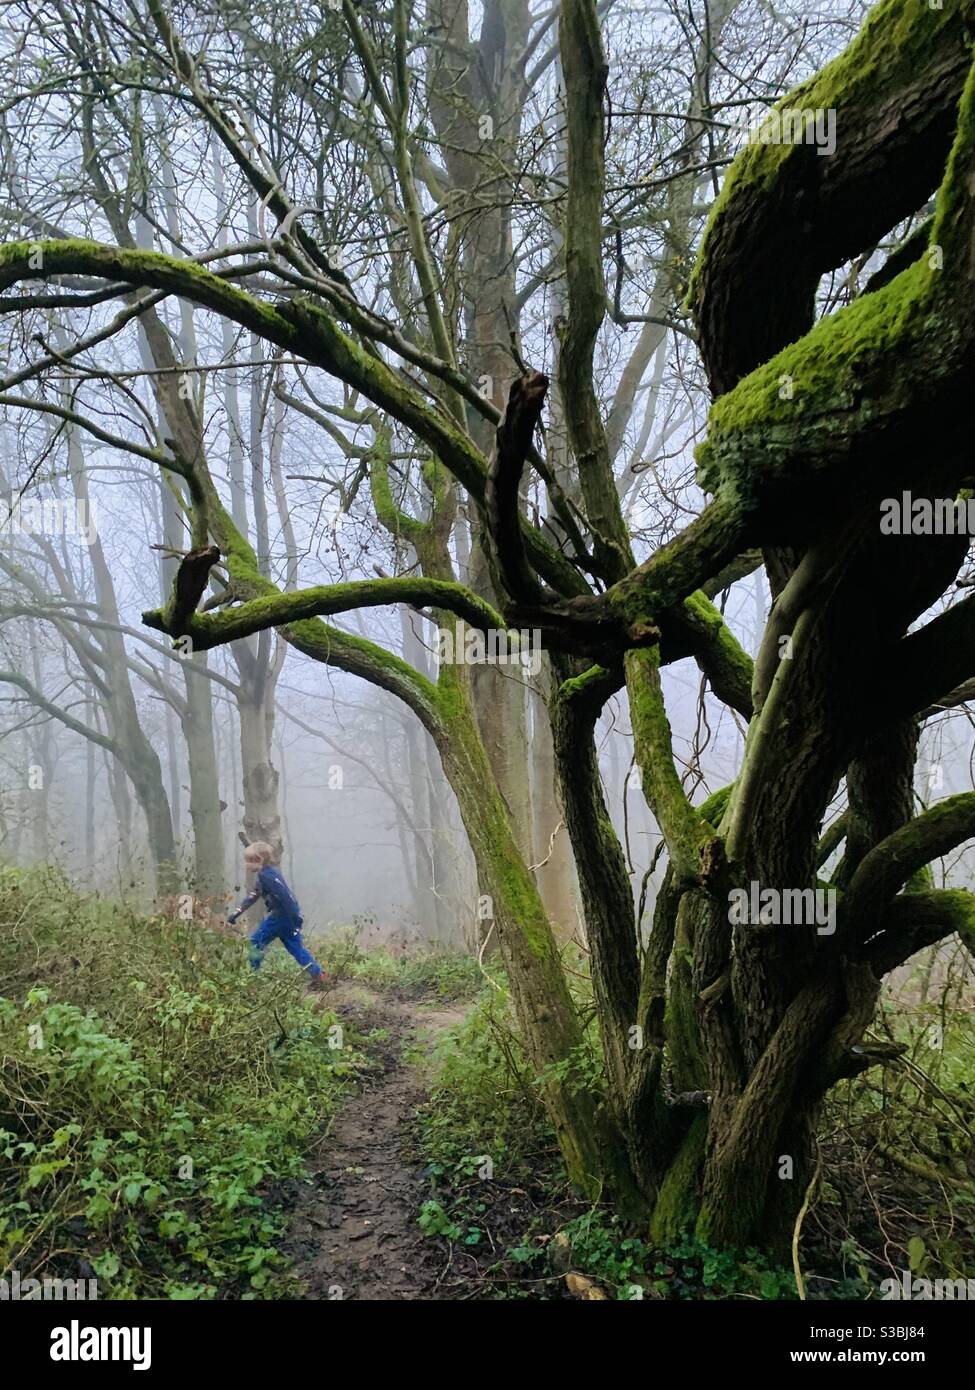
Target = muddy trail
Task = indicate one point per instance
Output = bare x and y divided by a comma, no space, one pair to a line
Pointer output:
353,1231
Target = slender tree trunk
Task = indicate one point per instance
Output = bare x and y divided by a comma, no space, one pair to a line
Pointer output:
262,815
42,769
556,872
122,802
205,806
547,1019
136,751
449,874
91,776
500,701
421,830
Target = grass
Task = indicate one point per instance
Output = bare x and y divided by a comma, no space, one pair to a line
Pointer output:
154,1095
153,1092
439,972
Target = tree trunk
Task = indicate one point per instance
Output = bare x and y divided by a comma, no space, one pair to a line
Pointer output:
136,752
205,806
556,873
549,1025
262,817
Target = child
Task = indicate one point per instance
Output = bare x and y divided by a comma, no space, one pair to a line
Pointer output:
283,920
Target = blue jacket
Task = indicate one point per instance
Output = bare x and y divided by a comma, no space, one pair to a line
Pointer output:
278,897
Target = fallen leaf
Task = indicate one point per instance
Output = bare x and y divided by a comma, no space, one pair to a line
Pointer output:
582,1287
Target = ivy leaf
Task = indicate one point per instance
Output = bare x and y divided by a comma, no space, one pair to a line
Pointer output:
916,1253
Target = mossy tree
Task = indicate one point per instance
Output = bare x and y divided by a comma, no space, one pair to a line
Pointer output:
721,1038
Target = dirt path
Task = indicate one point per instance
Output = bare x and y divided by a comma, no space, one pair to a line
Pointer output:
353,1232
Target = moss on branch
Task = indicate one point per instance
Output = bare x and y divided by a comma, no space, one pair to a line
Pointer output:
276,609
888,866
683,827
788,212
916,920
299,326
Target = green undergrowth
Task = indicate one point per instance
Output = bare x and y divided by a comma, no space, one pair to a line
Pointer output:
499,1190
898,1143
628,1268
895,1190
484,1111
445,973
153,1095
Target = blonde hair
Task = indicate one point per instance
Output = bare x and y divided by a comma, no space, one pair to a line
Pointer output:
260,848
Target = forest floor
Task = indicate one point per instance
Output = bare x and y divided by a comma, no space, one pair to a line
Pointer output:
353,1231
413,1163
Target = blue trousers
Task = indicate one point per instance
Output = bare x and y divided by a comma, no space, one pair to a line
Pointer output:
283,930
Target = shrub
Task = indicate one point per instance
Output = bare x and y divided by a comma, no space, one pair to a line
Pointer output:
152,1091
